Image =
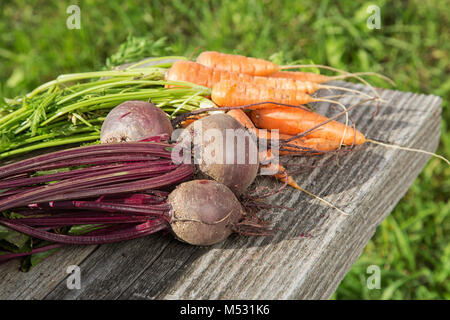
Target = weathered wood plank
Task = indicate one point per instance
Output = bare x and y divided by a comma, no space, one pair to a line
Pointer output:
367,183
36,283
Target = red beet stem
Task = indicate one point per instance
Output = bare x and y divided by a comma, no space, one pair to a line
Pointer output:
156,210
98,160
135,199
70,174
129,171
67,188
18,176
68,220
36,163
10,192
180,174
136,231
157,138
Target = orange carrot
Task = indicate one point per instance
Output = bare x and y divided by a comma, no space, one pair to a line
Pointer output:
293,121
305,144
260,67
189,71
237,63
302,76
186,122
229,93
323,134
298,85
233,94
184,70
266,156
281,173
299,146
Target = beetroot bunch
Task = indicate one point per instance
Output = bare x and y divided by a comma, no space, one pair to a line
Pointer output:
126,190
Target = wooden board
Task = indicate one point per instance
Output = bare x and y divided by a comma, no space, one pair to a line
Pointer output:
366,183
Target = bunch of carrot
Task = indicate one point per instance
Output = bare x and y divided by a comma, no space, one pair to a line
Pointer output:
238,80
270,93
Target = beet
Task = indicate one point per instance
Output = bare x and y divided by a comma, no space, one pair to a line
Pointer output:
203,212
134,121
212,149
198,212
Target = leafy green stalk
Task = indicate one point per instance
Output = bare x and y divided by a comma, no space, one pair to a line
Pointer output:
67,110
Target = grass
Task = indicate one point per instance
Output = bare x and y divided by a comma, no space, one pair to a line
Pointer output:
411,246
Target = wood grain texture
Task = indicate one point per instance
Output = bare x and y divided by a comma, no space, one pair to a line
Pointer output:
366,183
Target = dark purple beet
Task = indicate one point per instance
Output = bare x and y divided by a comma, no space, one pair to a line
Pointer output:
134,121
237,174
204,212
199,212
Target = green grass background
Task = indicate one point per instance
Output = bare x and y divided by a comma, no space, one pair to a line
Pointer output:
411,246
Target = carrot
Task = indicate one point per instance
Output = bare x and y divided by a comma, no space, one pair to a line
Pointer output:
260,67
266,156
228,62
229,93
196,73
299,146
303,76
293,121
237,63
234,93
308,87
281,172
209,77
305,144
358,137
185,123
